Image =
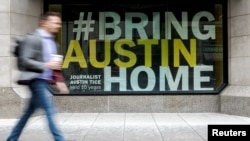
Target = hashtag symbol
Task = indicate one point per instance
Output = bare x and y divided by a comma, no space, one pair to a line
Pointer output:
87,29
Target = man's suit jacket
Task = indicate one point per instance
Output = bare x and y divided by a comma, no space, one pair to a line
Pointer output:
31,62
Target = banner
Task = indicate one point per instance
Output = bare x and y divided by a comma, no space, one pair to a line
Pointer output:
150,49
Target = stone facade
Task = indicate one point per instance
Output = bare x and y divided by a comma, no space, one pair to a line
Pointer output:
17,19
235,99
21,16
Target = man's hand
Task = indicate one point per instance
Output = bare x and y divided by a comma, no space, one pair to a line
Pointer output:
62,87
54,65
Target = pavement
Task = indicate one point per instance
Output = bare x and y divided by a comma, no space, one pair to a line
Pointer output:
124,126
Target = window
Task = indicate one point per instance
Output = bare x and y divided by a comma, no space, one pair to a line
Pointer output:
160,48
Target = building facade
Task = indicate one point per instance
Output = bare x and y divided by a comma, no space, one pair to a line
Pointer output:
161,57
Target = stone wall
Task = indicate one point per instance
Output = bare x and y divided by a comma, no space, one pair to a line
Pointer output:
21,16
236,98
18,17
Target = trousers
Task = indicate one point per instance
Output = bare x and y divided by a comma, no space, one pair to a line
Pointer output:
39,99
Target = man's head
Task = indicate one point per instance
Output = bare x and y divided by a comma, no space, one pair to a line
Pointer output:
51,22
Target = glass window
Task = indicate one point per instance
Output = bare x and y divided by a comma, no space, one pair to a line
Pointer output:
160,48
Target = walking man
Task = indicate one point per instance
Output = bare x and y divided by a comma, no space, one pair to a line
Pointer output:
38,70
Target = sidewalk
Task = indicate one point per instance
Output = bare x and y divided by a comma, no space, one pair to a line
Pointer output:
124,126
